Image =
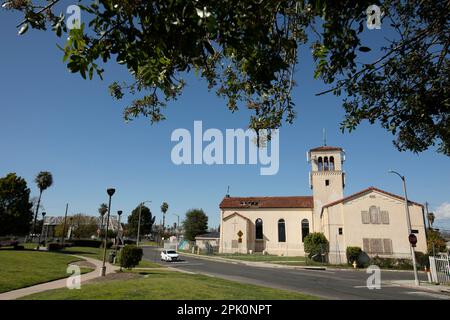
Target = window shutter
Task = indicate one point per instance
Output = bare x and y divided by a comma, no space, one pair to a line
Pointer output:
365,218
385,217
366,245
387,246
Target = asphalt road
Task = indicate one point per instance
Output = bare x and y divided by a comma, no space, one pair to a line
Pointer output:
331,284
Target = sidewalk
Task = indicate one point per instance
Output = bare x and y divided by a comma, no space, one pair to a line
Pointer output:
61,283
426,286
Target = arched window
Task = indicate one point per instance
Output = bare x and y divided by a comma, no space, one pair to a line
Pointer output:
320,164
259,229
325,164
281,231
305,229
331,163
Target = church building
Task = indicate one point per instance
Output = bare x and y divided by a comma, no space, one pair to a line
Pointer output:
372,219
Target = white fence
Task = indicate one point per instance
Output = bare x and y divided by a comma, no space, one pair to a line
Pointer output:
440,269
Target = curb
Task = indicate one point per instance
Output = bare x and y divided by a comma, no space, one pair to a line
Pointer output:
422,288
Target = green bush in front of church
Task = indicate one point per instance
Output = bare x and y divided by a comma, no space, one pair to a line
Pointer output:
316,246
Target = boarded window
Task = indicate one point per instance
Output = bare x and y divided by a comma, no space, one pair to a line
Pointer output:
387,243
376,246
365,217
384,217
374,215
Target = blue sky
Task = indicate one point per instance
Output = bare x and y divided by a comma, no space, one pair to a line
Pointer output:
56,121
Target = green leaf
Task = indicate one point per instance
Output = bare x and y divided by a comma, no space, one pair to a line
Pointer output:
364,49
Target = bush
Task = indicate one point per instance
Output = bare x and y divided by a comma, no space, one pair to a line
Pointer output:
353,254
392,263
19,248
91,243
422,260
53,246
130,256
316,244
129,241
85,243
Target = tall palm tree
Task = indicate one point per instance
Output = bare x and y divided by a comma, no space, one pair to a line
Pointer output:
43,180
164,208
103,209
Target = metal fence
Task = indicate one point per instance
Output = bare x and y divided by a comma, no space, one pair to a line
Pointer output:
440,269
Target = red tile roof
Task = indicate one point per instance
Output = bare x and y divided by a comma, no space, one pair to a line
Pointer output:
362,192
326,148
267,202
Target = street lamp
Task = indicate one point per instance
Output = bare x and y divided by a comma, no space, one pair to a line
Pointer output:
139,222
42,230
110,192
408,220
119,213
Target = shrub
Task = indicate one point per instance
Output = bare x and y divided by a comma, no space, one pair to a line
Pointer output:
422,260
92,243
53,246
392,263
130,256
316,244
353,254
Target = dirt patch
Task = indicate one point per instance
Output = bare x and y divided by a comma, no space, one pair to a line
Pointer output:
84,264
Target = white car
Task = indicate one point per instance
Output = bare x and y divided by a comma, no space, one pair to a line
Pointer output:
169,255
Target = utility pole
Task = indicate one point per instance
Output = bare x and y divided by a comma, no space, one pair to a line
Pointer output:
63,236
408,220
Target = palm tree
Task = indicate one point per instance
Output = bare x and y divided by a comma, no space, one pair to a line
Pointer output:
164,208
43,180
431,219
102,210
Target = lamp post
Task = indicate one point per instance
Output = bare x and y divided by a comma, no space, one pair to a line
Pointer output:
119,213
408,220
110,192
42,230
139,222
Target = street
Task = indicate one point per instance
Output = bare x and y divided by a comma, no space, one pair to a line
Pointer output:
329,284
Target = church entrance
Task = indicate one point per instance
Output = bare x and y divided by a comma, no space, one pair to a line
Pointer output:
260,245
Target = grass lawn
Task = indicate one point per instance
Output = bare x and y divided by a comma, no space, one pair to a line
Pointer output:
148,243
23,268
166,285
97,253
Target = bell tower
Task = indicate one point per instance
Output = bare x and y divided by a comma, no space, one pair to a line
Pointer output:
327,178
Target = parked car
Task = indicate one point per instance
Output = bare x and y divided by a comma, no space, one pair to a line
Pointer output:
169,255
